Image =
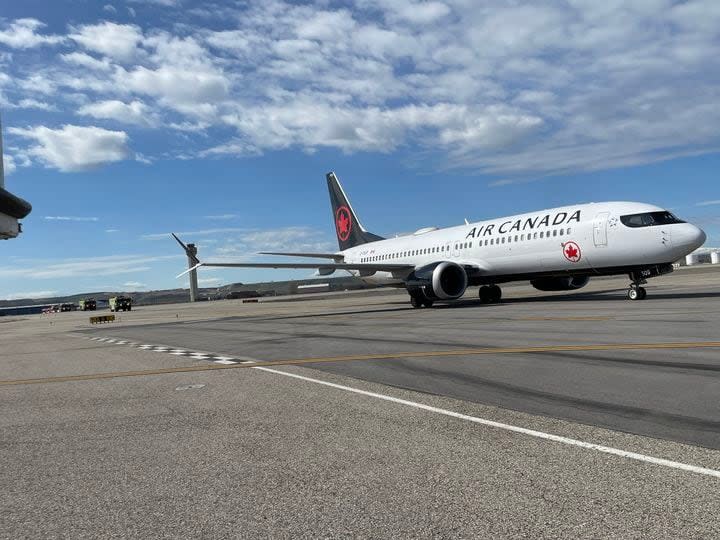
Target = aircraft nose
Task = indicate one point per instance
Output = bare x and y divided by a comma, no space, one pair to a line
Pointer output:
701,236
692,237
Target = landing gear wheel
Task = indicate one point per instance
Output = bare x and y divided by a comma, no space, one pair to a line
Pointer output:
428,303
485,294
495,294
416,302
637,293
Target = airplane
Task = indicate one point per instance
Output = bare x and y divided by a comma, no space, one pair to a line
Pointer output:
558,249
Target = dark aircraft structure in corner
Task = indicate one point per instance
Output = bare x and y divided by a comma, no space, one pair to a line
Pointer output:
12,207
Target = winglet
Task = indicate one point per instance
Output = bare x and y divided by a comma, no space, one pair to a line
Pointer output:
188,252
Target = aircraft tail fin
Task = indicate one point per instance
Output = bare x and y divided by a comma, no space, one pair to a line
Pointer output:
349,230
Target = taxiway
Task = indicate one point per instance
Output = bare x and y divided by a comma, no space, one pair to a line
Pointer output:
581,415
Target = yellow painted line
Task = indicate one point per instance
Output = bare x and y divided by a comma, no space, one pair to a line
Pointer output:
578,318
383,356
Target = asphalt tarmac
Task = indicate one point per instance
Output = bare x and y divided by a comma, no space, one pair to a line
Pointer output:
567,415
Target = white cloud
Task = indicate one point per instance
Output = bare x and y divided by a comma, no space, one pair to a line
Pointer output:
166,3
203,232
191,91
134,285
34,104
71,218
75,148
708,203
517,90
87,61
118,41
32,295
9,164
222,216
246,245
110,231
135,112
21,34
109,8
87,267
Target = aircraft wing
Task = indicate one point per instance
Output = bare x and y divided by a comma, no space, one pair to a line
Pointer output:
335,256
368,268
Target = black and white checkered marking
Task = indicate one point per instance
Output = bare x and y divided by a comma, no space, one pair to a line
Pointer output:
195,355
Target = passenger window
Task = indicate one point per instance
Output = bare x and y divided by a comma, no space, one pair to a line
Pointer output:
554,233
542,234
522,237
562,232
535,235
569,230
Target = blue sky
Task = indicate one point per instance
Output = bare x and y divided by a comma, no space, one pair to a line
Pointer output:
126,120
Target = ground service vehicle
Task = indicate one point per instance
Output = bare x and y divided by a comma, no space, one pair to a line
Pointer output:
68,307
87,305
120,303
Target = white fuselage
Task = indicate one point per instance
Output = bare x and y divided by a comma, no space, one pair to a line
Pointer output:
580,239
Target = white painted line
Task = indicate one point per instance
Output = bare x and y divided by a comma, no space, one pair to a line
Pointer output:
197,356
224,362
246,362
224,358
160,349
109,341
121,343
531,432
178,353
146,347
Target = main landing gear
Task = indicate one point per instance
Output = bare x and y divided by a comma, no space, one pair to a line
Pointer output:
636,291
490,294
418,300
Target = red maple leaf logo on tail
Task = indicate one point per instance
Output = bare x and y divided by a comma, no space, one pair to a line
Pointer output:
343,223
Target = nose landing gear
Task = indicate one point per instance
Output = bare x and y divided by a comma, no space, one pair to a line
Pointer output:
636,291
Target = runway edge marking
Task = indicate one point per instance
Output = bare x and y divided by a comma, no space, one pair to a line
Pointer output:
507,427
195,355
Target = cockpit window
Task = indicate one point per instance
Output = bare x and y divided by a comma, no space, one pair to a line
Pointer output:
650,219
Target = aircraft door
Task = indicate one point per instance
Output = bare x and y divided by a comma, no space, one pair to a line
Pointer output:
600,229
456,251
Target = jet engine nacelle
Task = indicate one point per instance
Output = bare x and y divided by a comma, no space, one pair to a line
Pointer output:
560,283
439,281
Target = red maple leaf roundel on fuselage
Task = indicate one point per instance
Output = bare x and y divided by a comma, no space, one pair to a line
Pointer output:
572,252
343,223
